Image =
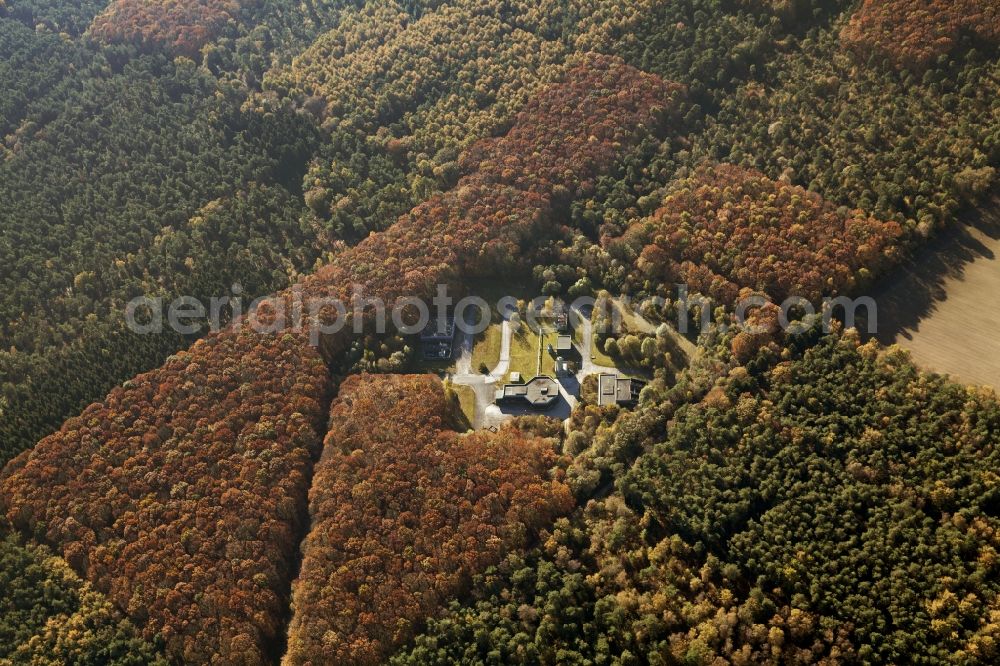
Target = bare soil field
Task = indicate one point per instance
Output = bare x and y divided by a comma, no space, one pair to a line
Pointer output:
944,304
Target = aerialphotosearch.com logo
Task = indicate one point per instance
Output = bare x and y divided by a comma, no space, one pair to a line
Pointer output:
320,316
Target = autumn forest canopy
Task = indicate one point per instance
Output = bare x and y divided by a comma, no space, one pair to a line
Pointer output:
769,494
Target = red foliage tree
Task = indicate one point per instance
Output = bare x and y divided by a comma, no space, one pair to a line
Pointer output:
181,27
912,33
727,228
404,510
179,494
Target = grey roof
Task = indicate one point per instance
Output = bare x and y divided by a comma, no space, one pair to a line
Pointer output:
538,393
615,390
438,331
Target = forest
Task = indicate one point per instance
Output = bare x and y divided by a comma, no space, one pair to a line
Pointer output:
248,497
404,511
181,28
912,33
725,229
352,182
220,440
761,526
180,496
50,616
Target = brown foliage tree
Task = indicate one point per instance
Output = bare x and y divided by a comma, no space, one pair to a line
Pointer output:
727,228
179,495
404,510
912,33
181,27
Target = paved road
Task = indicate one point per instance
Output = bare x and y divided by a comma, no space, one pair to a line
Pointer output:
503,366
486,414
586,347
645,326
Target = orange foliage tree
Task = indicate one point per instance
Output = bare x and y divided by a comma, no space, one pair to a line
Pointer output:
181,494
727,228
404,510
181,27
561,141
912,33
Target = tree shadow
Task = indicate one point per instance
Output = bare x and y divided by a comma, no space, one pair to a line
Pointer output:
912,292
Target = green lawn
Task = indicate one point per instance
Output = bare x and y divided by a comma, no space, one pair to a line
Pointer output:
487,348
630,322
524,353
599,357
548,361
467,401
596,352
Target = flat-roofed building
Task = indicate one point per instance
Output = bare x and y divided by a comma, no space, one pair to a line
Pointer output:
615,390
437,340
563,348
539,393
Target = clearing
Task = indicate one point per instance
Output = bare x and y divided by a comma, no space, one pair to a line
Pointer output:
944,304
